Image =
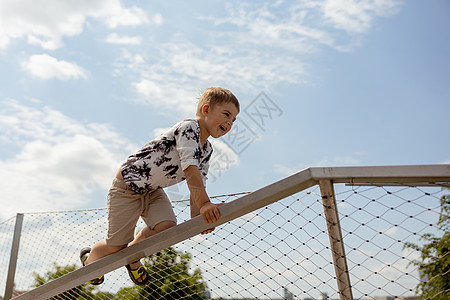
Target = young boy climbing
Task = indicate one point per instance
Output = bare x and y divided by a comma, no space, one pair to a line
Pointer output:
183,152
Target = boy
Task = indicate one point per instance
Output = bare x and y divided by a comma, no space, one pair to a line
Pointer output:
183,152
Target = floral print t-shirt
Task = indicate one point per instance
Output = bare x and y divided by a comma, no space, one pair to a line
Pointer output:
161,162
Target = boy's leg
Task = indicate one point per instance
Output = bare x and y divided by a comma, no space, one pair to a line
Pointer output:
147,232
124,209
158,215
143,234
101,249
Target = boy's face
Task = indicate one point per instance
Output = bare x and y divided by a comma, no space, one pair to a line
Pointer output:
220,118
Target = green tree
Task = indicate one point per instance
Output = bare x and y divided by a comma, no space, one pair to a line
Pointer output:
85,291
169,278
434,261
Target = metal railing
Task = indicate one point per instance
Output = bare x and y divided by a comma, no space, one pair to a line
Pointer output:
338,232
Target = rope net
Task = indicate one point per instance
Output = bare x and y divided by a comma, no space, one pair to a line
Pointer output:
281,251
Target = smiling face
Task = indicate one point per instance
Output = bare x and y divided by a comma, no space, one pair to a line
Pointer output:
217,120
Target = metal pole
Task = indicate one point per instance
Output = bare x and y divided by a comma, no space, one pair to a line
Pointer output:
336,241
13,258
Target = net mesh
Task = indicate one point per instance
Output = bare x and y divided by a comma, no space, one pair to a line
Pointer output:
281,251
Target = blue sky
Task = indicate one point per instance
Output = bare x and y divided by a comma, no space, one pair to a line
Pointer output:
343,82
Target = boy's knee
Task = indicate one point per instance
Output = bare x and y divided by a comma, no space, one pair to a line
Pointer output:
114,248
164,225
118,248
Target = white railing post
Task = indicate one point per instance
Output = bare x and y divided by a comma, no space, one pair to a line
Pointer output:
13,257
336,241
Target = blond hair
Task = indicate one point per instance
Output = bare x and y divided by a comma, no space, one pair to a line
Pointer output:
216,95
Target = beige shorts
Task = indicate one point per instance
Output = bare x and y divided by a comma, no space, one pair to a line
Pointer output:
125,207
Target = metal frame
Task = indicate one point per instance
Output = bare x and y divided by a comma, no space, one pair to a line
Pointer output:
13,257
336,239
325,177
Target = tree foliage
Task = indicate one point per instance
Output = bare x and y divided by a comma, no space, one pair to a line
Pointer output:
169,278
434,261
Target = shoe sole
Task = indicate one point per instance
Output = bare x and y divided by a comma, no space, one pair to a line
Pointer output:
83,252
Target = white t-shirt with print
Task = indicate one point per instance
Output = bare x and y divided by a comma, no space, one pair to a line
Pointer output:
161,162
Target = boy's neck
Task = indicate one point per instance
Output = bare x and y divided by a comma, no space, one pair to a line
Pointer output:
204,135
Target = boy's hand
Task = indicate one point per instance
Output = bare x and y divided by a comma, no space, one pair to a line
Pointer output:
212,229
210,212
208,230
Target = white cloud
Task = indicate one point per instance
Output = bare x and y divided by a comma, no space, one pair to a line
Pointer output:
356,16
114,38
45,66
169,95
337,161
58,162
158,19
294,27
347,160
287,171
46,22
115,15
183,70
306,25
222,159
270,45
391,231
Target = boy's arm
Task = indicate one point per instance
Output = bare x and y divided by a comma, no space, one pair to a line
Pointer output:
208,210
195,212
194,209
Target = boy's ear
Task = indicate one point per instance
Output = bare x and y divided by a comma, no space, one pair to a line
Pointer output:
205,109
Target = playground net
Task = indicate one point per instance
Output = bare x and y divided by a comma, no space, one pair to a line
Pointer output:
281,251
